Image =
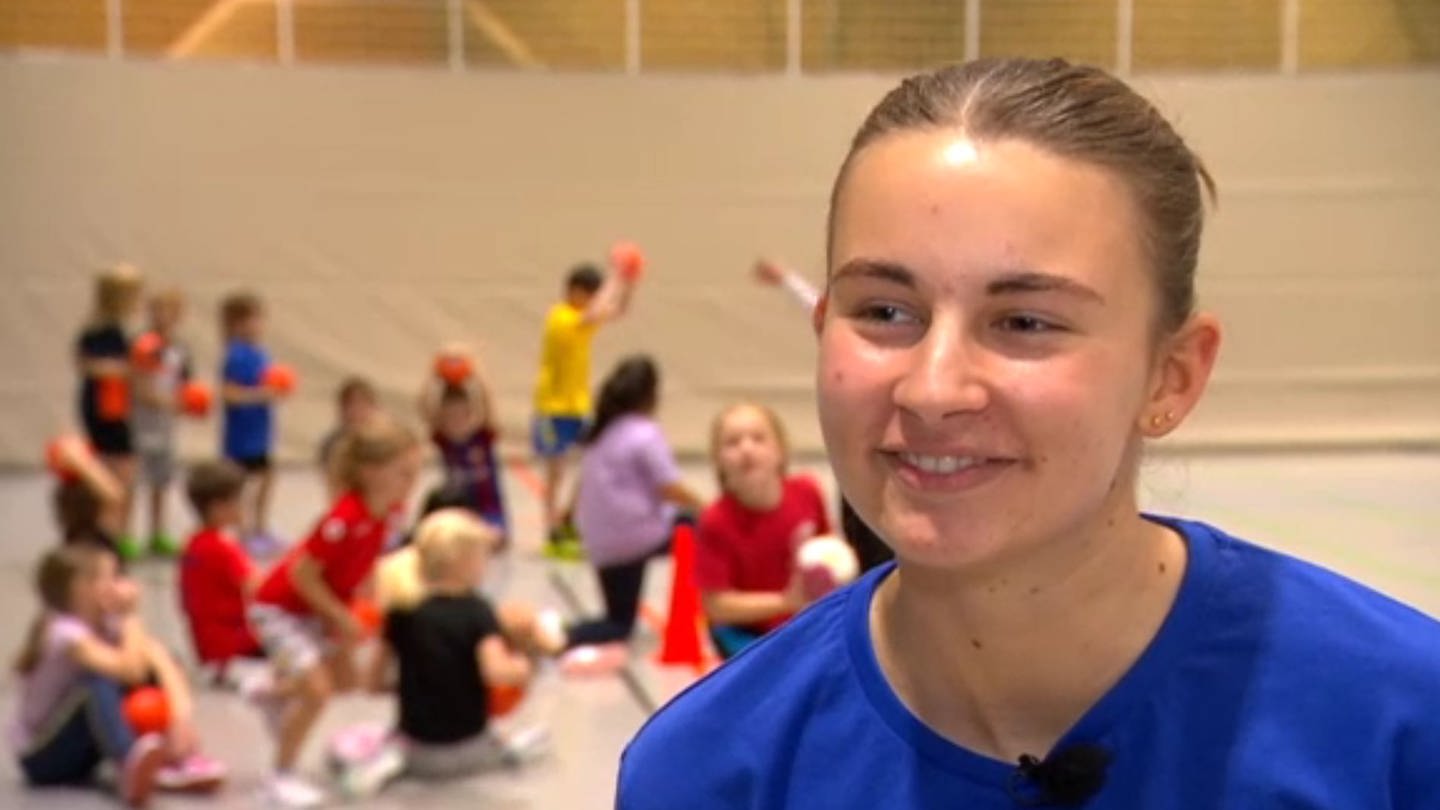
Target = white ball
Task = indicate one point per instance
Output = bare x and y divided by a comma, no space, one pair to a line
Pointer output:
831,554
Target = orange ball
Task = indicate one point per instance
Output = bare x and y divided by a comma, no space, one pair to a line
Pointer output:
504,699
367,613
280,378
628,260
145,351
147,711
454,369
196,399
57,462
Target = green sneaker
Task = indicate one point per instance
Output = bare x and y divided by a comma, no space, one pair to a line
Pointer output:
565,548
129,548
163,545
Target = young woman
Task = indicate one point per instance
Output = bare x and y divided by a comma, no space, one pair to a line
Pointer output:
1009,317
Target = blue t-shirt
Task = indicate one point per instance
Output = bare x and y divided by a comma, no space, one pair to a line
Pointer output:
1272,683
248,428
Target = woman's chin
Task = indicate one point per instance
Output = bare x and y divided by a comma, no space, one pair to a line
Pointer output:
932,544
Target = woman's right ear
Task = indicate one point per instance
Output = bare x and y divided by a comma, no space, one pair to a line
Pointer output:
817,315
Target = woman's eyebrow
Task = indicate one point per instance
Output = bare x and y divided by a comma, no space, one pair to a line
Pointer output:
875,269
1029,281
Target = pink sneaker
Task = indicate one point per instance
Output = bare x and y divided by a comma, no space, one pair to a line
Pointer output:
196,773
595,659
137,775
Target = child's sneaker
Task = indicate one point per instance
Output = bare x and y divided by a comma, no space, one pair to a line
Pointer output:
550,635
591,660
568,549
364,778
526,745
263,546
129,548
286,790
194,774
137,775
163,545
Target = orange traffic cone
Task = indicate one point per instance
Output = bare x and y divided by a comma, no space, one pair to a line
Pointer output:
682,627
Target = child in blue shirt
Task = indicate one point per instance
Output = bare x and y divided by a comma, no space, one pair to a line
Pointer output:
248,431
1009,317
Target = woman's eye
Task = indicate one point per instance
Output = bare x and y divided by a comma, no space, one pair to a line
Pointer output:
884,313
1028,324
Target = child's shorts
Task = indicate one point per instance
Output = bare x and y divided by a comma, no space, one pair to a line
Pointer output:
554,436
110,438
294,644
158,465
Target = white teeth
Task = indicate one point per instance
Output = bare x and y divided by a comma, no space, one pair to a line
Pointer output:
940,465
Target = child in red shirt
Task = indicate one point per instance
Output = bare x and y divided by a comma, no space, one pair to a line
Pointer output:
301,610
746,541
216,576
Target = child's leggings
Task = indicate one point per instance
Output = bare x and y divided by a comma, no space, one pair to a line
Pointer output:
88,727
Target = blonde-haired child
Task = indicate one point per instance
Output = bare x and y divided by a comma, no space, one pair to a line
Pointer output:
747,539
102,355
301,610
453,651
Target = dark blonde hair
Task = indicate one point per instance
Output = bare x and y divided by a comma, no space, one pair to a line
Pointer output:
116,288
380,440
236,308
352,387
717,426
55,577
211,482
1076,112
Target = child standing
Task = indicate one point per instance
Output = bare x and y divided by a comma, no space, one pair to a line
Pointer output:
355,402
103,358
562,387
461,419
301,610
629,488
82,653
159,376
216,577
249,421
452,649
747,540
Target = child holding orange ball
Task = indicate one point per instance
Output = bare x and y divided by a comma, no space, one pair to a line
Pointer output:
252,386
83,652
461,662
301,611
458,408
102,355
562,386
162,369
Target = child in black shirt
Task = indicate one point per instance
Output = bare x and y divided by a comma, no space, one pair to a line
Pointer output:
453,651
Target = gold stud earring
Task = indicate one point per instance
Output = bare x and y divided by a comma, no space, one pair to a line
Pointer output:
1155,421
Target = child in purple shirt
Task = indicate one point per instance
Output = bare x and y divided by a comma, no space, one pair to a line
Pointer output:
629,488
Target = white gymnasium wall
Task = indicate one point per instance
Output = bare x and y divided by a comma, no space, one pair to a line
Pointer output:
383,212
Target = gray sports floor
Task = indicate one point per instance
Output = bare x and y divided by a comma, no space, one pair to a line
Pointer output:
1370,515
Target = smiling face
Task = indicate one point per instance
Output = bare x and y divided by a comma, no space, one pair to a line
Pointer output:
987,346
748,452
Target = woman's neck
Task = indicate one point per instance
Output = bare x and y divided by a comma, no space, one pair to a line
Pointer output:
1005,662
